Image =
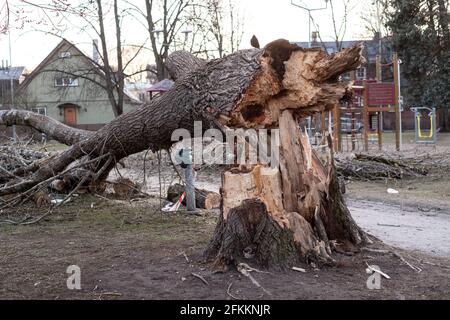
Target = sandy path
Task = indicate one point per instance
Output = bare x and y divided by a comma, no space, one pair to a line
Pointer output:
428,232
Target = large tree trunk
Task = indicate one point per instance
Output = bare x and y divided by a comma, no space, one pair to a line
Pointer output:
273,215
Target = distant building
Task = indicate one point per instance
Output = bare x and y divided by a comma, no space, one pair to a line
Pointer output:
139,90
68,86
9,75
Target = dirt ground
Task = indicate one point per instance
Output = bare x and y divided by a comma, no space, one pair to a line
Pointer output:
132,250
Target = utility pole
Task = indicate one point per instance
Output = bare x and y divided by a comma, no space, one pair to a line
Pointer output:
379,75
398,113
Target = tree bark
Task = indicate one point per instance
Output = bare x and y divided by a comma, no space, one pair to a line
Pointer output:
272,215
49,126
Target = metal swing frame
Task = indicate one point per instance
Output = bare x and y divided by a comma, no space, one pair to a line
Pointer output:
431,137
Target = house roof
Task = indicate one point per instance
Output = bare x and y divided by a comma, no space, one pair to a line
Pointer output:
162,86
11,73
47,59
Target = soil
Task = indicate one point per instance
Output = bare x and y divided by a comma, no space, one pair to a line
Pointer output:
132,250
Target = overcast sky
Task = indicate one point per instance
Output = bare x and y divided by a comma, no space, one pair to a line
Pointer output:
267,19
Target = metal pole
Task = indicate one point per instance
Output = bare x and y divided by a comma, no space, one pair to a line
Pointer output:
190,188
400,102
309,29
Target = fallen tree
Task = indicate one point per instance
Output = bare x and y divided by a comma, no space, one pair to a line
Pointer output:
274,216
381,167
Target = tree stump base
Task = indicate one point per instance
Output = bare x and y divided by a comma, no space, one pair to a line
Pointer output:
279,216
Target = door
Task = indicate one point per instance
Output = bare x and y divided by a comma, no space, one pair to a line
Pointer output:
70,116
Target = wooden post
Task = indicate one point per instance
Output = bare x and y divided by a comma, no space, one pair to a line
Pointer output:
366,118
337,123
353,129
397,104
380,131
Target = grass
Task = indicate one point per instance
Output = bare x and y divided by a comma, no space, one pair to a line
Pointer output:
122,217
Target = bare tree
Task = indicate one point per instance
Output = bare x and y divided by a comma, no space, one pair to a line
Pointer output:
221,25
110,70
374,18
339,22
163,32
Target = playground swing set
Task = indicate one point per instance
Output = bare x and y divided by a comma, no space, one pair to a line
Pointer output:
425,136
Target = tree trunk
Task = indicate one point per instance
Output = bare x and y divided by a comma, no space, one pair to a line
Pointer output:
273,215
204,199
300,204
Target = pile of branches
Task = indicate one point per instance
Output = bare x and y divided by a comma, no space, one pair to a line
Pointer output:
380,167
14,158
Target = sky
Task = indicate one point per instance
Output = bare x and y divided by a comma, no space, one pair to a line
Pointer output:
267,19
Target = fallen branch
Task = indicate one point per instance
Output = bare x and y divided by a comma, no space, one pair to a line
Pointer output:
229,293
245,270
377,271
200,277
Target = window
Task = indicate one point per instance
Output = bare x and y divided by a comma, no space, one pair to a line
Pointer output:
64,54
142,96
66,82
361,74
345,76
40,110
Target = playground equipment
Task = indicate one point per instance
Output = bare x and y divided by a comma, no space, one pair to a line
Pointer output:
382,97
357,123
425,136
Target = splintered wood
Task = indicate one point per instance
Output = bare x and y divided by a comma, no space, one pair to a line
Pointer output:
297,203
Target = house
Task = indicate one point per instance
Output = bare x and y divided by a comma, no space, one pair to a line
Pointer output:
69,87
8,76
138,90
